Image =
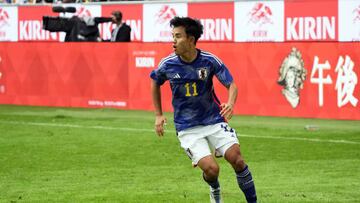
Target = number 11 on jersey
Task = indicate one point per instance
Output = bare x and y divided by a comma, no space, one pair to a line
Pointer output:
193,87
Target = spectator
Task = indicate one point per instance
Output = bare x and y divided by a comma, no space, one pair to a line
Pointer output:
121,33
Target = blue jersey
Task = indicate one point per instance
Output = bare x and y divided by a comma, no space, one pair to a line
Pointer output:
193,96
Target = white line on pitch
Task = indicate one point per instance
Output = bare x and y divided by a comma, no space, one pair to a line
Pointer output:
300,139
74,126
150,130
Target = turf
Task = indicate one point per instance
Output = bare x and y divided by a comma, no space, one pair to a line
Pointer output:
109,155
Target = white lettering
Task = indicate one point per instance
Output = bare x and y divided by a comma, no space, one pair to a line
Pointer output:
318,29
32,30
36,30
210,29
328,27
346,82
144,62
22,29
226,29
320,80
301,28
310,28
217,29
291,29
217,25
135,29
115,103
95,103
107,103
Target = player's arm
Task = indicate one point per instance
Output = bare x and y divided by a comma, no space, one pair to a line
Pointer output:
160,119
227,109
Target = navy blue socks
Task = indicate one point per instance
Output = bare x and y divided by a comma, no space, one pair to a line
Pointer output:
246,184
214,184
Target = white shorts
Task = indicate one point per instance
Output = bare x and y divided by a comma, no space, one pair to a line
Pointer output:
198,141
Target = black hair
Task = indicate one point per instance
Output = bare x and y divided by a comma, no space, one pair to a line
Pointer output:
193,27
118,15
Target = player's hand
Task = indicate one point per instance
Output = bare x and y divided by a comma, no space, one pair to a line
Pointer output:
160,121
227,110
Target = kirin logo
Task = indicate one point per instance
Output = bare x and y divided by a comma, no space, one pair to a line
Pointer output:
83,12
356,13
4,18
165,14
260,14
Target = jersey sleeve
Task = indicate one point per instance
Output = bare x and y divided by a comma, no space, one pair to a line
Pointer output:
223,74
159,74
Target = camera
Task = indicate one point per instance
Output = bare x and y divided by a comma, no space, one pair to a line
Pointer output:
77,29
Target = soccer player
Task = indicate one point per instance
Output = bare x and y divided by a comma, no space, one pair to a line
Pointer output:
200,119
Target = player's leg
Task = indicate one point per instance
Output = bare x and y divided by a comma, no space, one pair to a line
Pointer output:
197,148
243,174
210,175
209,167
226,143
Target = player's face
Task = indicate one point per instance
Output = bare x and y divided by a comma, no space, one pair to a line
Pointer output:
181,42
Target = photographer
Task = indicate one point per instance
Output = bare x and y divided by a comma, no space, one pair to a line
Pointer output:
121,33
77,29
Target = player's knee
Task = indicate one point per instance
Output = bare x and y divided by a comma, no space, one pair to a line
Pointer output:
239,163
212,171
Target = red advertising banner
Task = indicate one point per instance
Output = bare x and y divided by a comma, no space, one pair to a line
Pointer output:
30,24
311,20
217,19
143,58
294,79
132,16
318,80
64,74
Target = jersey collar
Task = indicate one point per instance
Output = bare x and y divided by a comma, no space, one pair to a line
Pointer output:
197,56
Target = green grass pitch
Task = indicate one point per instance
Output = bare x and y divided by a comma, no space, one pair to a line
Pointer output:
109,155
